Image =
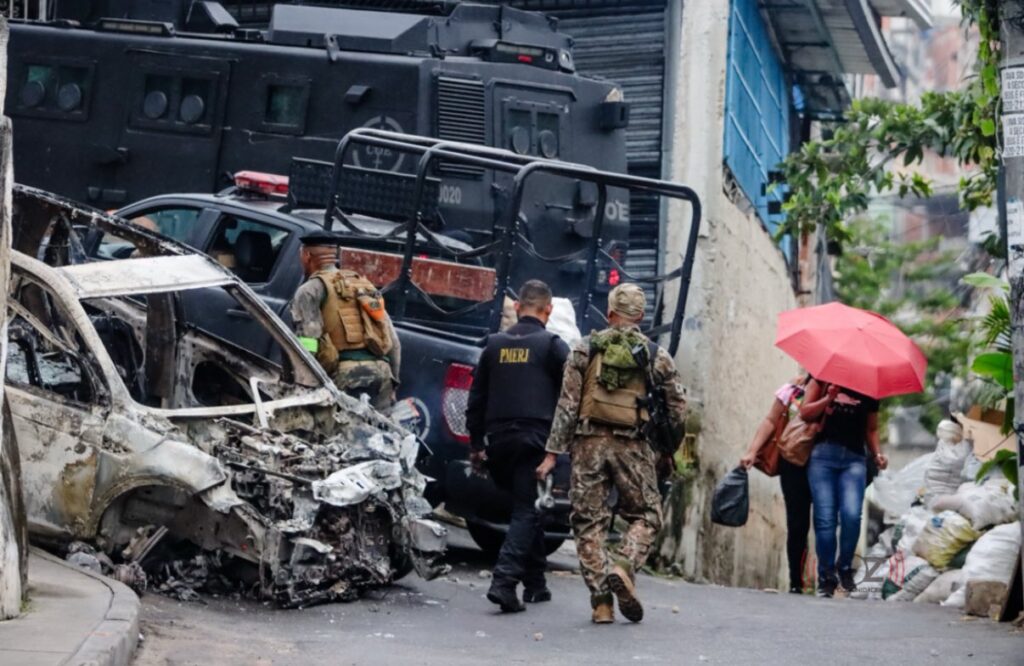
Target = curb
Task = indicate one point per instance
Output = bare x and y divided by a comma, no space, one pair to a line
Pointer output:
112,641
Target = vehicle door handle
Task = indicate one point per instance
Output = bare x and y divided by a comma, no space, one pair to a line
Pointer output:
239,314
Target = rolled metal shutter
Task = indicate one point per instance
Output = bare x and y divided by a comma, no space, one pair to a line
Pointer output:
625,43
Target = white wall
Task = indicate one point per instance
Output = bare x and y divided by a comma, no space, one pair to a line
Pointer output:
727,358
12,555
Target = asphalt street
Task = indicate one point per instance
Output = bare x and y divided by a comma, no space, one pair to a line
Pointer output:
448,621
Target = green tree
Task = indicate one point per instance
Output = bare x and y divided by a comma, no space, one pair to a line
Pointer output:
914,285
878,143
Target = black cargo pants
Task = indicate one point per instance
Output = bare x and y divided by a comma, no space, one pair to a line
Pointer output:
512,459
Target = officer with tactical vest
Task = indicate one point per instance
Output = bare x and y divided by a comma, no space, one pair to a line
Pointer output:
600,419
339,317
511,403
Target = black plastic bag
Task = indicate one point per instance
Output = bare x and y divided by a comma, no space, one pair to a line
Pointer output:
731,502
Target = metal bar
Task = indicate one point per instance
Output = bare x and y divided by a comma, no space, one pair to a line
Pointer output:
523,167
595,248
662,188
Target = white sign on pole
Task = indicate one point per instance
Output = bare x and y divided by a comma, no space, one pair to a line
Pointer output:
1013,135
1013,90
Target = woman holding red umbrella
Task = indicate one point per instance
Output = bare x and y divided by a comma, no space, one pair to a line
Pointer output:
837,473
856,358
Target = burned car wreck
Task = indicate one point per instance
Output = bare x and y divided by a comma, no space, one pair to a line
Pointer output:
130,420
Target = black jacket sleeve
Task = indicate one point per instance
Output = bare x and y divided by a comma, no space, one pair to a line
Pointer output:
559,355
476,408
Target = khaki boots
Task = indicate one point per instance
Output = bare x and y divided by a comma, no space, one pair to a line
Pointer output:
603,612
620,580
622,585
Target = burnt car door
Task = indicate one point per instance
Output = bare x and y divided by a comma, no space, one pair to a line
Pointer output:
59,403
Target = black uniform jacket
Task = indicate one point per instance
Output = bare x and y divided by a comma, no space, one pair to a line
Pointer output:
517,380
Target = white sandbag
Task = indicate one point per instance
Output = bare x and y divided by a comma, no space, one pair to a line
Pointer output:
903,567
943,475
944,535
894,491
915,581
940,588
947,503
911,525
563,320
994,556
957,599
884,547
901,564
971,468
988,504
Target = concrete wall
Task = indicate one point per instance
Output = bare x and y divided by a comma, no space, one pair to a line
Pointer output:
727,359
13,532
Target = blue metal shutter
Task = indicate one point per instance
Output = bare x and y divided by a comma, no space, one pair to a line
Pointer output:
756,108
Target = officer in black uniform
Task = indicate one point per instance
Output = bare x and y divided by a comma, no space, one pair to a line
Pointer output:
511,404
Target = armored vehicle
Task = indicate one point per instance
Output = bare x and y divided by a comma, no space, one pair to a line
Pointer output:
115,101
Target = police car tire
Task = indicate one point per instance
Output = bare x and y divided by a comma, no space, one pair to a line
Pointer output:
489,540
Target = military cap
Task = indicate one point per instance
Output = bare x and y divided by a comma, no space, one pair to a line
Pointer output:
627,300
319,237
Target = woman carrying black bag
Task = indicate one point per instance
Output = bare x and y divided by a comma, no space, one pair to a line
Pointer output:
796,491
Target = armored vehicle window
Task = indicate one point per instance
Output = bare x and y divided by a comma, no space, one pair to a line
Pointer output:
247,247
54,90
175,102
46,351
285,109
534,128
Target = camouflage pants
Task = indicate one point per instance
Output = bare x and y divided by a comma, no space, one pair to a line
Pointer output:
598,464
370,377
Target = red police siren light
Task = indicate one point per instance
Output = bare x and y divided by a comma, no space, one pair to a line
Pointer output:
270,184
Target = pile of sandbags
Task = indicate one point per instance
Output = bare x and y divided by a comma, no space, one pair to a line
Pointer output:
956,542
987,573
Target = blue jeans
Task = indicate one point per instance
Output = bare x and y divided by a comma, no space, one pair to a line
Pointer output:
837,476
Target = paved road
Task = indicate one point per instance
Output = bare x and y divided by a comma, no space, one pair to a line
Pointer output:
449,622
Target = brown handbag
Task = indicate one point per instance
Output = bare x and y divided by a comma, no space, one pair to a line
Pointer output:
767,459
797,440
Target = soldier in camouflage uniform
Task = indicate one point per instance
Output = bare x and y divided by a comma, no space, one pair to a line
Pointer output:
340,345
598,421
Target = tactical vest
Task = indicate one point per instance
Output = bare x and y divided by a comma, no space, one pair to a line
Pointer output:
353,313
522,384
618,408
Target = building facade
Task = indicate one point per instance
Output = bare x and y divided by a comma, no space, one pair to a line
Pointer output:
720,92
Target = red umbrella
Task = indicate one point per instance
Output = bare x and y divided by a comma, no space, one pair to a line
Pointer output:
857,349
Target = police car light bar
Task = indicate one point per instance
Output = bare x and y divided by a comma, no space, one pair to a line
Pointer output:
270,184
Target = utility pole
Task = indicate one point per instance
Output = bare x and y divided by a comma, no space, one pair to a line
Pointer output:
1011,31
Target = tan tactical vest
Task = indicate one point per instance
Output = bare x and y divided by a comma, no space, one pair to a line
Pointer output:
353,313
614,408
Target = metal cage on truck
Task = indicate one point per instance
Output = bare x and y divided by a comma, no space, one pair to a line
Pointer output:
413,203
